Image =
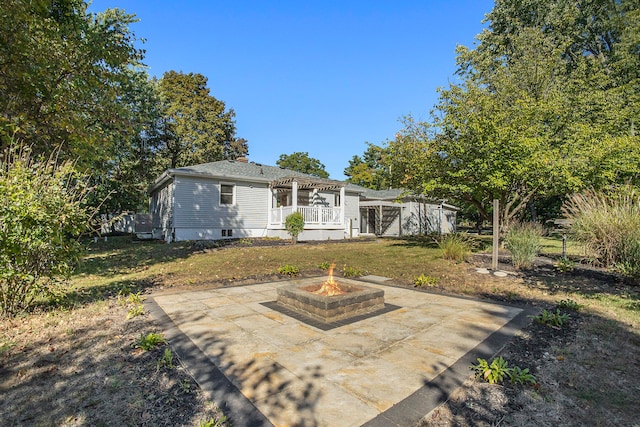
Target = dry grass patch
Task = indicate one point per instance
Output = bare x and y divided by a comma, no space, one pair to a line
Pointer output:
81,367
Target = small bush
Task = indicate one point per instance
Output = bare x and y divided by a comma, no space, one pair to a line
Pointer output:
289,270
135,311
350,272
324,265
569,304
150,341
423,280
494,372
521,376
549,318
294,224
565,265
42,215
456,246
523,241
167,359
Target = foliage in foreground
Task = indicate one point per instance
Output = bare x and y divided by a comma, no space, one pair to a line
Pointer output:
289,270
150,341
609,227
41,215
498,370
423,280
348,272
549,318
523,241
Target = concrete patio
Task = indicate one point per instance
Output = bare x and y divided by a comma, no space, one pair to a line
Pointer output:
264,367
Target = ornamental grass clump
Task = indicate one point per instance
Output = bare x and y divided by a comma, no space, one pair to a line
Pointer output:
524,242
608,225
456,246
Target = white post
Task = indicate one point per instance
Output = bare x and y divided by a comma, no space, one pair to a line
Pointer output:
342,203
294,197
270,207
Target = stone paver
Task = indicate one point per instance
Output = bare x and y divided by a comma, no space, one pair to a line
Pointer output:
375,371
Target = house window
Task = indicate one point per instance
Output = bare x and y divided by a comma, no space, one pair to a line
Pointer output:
226,194
336,200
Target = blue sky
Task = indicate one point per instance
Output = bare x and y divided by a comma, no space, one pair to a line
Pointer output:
317,76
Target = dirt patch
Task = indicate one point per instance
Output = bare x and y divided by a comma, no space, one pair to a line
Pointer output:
82,368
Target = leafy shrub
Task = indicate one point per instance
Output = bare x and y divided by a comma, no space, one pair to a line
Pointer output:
133,300
493,373
41,217
521,376
294,223
456,246
423,280
150,341
523,241
565,265
608,224
351,272
569,304
166,360
289,270
552,319
496,371
324,265
135,311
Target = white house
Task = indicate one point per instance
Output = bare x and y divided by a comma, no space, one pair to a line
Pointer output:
236,198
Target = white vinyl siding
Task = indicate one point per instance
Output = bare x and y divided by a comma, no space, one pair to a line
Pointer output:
252,201
198,205
196,202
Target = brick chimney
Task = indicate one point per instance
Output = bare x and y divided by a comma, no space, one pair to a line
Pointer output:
242,159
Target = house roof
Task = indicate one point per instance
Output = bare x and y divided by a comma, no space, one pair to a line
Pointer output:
278,177
245,171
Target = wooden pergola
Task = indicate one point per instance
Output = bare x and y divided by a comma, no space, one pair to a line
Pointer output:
306,183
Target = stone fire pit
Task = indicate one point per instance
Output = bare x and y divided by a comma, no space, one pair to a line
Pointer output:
357,300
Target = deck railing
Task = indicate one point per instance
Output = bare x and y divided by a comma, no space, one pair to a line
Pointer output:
313,215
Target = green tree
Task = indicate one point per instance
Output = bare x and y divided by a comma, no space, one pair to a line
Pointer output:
294,223
41,215
301,162
63,72
137,160
536,113
195,126
370,170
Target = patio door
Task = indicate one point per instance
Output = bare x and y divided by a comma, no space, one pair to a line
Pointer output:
368,220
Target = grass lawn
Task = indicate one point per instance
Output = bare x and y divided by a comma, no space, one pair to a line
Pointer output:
81,348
